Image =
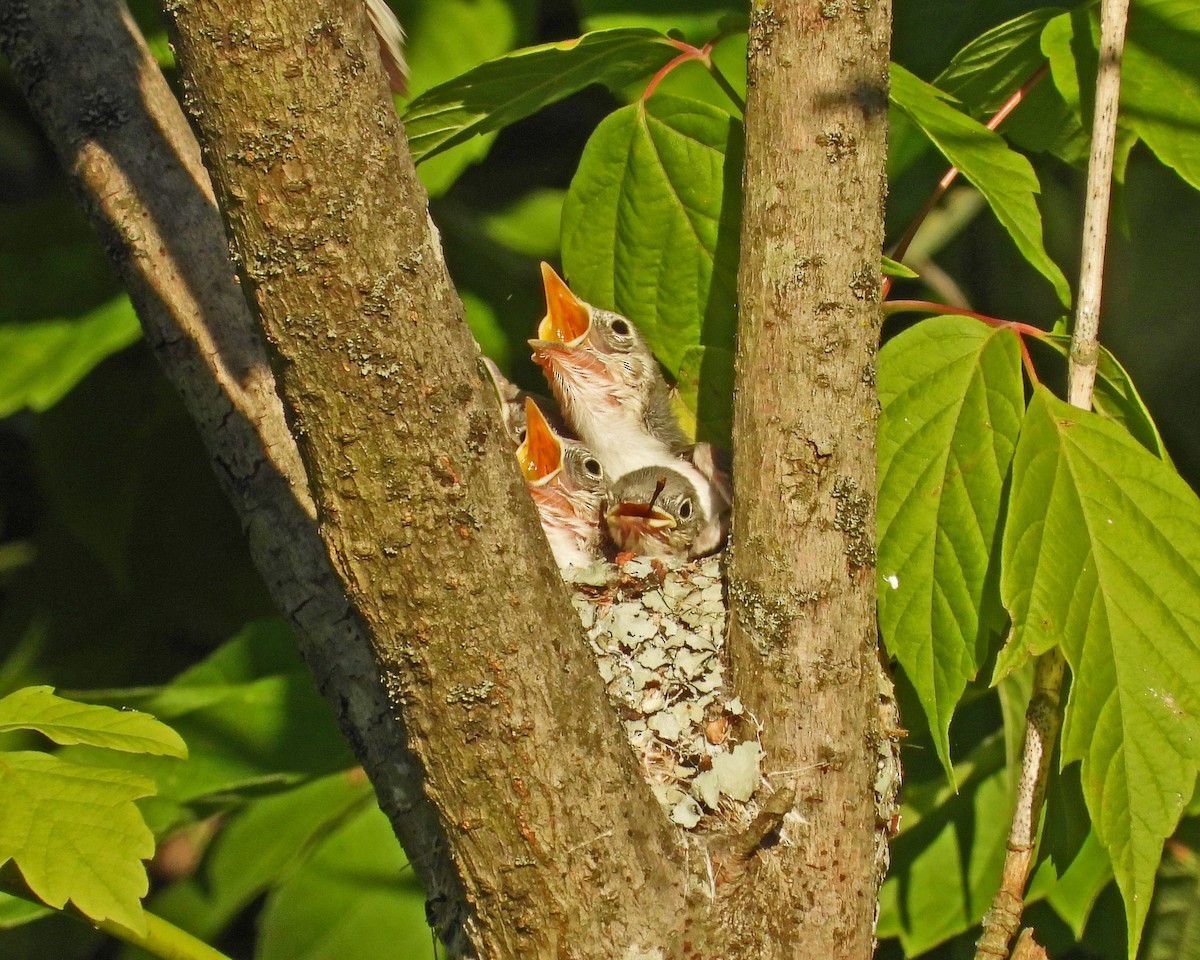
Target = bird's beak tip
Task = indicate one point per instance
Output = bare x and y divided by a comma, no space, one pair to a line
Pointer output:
568,318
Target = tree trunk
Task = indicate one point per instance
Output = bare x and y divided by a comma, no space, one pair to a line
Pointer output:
801,573
419,500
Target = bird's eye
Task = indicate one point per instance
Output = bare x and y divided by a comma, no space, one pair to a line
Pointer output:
685,509
520,436
592,468
620,327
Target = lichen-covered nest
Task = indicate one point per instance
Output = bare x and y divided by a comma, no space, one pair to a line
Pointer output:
658,634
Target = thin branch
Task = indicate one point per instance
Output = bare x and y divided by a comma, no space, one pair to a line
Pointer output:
1085,347
1044,716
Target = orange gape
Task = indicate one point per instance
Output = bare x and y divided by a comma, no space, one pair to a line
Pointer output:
567,318
540,454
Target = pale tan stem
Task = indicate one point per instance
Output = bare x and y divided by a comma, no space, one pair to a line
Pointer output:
1085,347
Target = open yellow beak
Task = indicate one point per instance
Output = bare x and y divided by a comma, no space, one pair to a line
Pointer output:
567,317
540,454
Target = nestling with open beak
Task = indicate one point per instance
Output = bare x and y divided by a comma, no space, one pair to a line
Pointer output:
568,488
606,381
611,392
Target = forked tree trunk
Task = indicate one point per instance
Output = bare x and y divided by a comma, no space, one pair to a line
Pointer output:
541,836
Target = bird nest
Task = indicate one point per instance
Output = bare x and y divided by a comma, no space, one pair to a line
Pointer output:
658,634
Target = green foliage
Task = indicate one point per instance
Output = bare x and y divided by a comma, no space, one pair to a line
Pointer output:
73,830
44,359
501,91
1005,178
1089,567
650,228
952,400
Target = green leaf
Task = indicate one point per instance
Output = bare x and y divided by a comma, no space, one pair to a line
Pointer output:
705,391
445,40
1160,82
43,359
68,722
650,225
1101,557
988,70
252,719
1004,177
1173,926
16,911
75,834
698,20
1117,398
1069,42
353,897
894,268
947,858
952,398
501,91
1072,867
258,848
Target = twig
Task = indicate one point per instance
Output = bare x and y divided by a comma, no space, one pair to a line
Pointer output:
1044,716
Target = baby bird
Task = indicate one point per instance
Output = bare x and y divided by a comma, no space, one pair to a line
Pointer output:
606,380
512,405
660,512
568,487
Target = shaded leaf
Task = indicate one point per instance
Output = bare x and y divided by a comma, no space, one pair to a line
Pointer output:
352,897
1004,177
75,834
259,846
43,359
251,717
1160,82
446,38
1101,557
501,91
68,722
988,70
947,858
952,398
650,225
1173,926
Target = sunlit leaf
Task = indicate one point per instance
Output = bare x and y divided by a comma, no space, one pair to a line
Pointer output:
69,722
650,226
1101,557
894,268
951,395
1173,926
75,834
1117,398
1004,177
503,90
